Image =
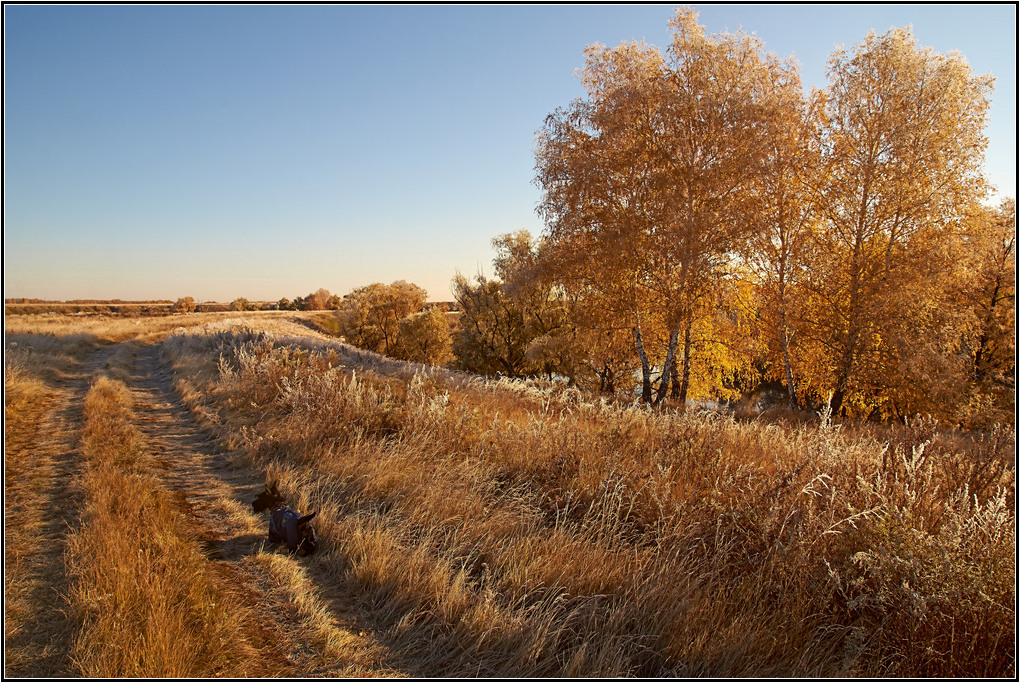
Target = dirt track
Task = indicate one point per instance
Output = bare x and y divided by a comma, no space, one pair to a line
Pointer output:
218,494
308,619
41,507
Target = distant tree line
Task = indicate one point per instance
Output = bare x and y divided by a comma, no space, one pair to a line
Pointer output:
23,300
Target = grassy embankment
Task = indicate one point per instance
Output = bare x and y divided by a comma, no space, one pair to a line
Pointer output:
501,529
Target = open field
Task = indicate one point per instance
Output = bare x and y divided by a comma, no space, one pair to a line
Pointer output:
108,308
470,527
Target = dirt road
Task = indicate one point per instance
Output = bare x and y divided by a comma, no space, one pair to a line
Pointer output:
290,597
319,633
41,461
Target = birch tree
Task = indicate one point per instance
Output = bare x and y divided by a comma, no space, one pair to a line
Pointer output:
901,136
784,218
599,187
646,173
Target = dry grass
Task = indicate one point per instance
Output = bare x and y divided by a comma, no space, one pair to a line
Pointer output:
38,501
26,401
115,329
522,529
357,653
515,530
150,603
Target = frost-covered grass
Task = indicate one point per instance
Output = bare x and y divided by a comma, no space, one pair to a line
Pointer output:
498,528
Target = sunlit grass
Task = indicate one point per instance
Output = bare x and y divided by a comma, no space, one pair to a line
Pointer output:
514,529
148,600
528,530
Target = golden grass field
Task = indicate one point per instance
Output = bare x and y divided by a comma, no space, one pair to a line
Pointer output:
470,527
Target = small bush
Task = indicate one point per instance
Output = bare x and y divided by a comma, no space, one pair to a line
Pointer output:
184,305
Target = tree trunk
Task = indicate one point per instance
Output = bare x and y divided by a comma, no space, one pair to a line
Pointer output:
980,358
606,384
784,337
670,354
674,390
646,372
686,381
836,401
843,375
854,313
790,386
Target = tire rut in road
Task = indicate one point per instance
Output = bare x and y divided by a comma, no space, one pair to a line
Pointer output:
217,492
43,509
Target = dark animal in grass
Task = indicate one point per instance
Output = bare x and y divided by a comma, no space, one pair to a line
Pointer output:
285,523
268,499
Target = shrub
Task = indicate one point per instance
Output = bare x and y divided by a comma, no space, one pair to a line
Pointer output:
185,304
370,316
425,337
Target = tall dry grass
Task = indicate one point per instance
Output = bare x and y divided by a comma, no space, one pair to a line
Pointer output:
579,538
37,499
26,398
149,602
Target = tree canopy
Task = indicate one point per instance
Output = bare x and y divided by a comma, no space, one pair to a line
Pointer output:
696,199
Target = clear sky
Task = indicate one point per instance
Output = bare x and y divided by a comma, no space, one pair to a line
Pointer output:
266,151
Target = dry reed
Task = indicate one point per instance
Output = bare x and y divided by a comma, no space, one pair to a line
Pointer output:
516,529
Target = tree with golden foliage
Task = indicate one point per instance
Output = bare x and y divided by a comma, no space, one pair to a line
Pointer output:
521,264
726,103
425,337
993,293
241,304
320,300
779,206
185,304
354,322
599,189
502,318
492,337
986,297
369,317
646,174
901,134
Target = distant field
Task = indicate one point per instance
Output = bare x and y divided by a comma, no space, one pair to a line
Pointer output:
470,527
124,308
129,308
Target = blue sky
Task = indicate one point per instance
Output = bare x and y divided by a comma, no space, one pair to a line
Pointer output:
266,151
